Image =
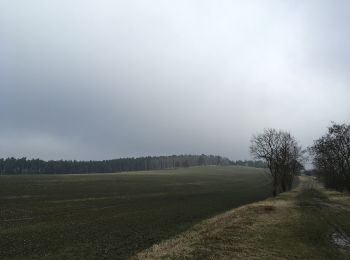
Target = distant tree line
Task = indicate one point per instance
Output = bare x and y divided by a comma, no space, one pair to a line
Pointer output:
250,163
33,166
331,157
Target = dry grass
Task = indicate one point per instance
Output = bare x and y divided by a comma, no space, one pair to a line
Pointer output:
295,225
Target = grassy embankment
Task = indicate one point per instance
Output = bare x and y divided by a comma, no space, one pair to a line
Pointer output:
114,216
306,223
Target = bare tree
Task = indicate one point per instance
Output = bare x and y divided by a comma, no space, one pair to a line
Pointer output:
282,154
331,156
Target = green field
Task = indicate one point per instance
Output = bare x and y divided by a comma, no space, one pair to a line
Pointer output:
115,215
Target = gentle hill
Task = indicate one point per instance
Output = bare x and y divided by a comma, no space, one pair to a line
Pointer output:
306,223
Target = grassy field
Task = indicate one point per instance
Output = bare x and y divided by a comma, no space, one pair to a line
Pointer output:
306,223
115,215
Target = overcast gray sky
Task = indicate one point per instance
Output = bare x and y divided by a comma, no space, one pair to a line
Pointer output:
84,79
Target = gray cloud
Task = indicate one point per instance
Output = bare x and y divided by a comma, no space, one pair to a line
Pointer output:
104,79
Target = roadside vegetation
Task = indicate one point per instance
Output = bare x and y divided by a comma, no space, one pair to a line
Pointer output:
283,156
309,222
331,156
